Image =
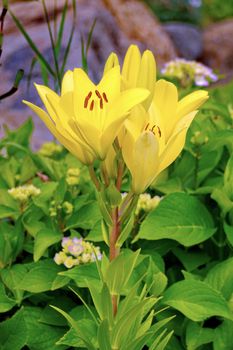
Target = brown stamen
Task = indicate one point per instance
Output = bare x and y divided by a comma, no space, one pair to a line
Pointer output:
146,126
105,97
101,103
92,105
159,131
87,99
98,94
152,129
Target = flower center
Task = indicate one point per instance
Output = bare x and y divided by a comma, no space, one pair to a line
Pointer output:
155,129
101,98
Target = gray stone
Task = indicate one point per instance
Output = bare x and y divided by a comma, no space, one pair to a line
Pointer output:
187,39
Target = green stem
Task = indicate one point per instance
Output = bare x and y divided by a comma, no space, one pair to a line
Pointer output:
94,177
114,251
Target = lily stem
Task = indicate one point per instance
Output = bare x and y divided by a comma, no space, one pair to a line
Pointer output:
114,251
94,177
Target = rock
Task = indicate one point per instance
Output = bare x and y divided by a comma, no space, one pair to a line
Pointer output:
187,39
218,46
138,23
110,34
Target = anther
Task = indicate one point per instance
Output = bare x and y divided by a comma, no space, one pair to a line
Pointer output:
87,99
159,131
101,103
92,105
105,97
98,94
146,126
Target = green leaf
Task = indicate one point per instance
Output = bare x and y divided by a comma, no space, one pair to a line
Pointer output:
229,232
197,336
120,270
60,191
12,277
32,44
220,278
31,220
81,329
44,239
11,242
129,324
179,217
7,212
223,336
125,232
228,174
162,343
196,300
7,200
39,335
104,336
208,161
71,338
191,260
220,196
85,218
28,169
95,235
160,283
13,332
220,138
6,303
82,274
41,276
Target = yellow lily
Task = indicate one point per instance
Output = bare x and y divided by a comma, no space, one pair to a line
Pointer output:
137,70
87,117
154,139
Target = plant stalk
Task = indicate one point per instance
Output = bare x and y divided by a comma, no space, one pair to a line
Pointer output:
114,251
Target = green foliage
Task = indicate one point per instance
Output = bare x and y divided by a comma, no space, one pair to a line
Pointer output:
175,10
215,10
180,251
131,328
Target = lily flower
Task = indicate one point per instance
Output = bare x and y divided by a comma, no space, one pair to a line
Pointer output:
138,71
87,117
154,139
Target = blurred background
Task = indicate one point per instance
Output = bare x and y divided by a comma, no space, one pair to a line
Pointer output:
86,31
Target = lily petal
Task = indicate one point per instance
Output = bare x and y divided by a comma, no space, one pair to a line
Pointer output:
147,76
130,67
110,83
84,156
43,91
111,62
176,142
145,154
166,99
191,102
67,83
126,100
